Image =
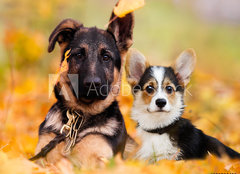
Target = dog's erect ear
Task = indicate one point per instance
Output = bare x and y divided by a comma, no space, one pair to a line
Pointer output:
122,29
63,34
184,65
136,65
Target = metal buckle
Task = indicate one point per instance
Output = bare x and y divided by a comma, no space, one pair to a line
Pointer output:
65,127
72,128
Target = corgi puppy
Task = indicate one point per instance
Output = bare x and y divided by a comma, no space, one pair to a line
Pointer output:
158,106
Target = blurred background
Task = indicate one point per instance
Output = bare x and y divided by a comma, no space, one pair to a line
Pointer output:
163,28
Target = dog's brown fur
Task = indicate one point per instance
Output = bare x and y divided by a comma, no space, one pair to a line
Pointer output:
53,156
93,150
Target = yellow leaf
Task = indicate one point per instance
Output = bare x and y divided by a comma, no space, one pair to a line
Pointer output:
64,64
53,80
126,6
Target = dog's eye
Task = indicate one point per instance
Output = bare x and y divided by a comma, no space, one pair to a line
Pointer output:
150,89
169,89
106,57
81,53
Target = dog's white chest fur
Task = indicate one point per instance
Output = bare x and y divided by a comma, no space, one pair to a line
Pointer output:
156,147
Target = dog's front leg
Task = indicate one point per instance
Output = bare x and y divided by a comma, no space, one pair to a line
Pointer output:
55,155
92,151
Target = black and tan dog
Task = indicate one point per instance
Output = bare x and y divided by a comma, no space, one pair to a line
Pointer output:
87,126
158,107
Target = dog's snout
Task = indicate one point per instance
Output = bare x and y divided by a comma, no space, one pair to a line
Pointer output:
161,102
92,82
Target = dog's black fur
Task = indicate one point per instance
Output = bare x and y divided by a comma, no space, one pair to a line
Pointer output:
96,56
194,144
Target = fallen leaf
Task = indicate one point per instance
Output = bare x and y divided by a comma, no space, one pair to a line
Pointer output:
126,6
64,64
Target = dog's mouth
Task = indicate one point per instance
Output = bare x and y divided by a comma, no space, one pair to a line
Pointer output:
162,111
159,110
86,101
89,99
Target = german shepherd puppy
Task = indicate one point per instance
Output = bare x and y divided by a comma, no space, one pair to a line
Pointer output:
96,56
158,106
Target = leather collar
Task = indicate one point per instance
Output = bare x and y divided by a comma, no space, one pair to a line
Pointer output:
161,130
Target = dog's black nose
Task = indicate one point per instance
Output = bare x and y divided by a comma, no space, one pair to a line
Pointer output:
92,82
161,102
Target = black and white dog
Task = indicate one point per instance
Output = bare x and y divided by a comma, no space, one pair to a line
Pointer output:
158,106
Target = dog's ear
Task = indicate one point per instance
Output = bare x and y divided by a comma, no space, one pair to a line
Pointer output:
122,29
136,65
184,65
63,34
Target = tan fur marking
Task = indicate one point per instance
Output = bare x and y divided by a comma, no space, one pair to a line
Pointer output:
102,46
91,152
94,108
85,46
109,128
171,97
54,155
146,96
151,82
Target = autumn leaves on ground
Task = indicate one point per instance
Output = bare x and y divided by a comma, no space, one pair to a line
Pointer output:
213,103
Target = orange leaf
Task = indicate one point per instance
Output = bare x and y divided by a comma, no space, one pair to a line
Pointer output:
64,64
126,6
63,67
